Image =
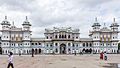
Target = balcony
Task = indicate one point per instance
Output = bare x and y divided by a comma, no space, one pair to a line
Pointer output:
63,39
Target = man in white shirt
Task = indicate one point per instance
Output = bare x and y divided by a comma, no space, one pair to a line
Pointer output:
10,60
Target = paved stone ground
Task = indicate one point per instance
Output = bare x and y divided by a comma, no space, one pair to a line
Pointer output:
61,61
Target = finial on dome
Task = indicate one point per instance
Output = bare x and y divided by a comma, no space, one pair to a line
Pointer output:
26,18
5,17
96,19
13,23
104,24
114,20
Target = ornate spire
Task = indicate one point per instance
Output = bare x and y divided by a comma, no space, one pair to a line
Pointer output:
104,24
5,17
26,22
13,23
5,22
26,18
113,19
13,26
114,24
96,23
96,19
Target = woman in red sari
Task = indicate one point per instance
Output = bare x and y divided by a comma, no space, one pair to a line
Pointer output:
101,55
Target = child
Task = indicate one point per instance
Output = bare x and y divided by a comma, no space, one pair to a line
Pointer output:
10,59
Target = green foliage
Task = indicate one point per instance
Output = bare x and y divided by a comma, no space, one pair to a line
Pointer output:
118,45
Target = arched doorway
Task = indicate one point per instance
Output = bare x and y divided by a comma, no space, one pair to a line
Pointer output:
36,51
62,49
39,51
0,50
118,48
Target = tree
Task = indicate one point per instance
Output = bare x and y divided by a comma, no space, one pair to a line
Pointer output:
0,50
118,47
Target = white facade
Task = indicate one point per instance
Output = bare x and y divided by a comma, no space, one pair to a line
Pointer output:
58,40
61,41
16,40
105,39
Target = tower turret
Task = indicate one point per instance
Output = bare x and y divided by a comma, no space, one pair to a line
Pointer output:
5,24
114,26
26,24
96,25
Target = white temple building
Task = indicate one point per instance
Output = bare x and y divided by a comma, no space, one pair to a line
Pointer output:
64,40
105,39
16,40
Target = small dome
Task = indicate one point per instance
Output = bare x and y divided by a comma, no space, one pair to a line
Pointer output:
96,24
105,29
26,22
114,25
5,22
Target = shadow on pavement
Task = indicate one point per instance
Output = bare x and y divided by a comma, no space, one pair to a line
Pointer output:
111,65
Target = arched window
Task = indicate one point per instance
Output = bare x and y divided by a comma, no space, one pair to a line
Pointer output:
90,44
86,44
32,43
59,36
73,45
39,43
62,36
68,36
83,44
50,45
6,51
47,45
65,36
47,37
69,44
112,50
56,44
56,36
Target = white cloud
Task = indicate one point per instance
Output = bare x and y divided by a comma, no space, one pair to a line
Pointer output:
55,13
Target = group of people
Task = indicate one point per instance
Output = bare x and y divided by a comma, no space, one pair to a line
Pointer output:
103,56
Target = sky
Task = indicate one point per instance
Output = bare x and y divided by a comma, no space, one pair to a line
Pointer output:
43,14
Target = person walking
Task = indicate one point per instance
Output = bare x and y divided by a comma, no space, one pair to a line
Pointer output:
75,53
105,56
10,60
101,55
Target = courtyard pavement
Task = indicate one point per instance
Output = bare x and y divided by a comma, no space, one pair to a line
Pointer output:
61,61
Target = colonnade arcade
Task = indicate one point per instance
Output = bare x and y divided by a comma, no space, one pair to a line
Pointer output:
68,47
